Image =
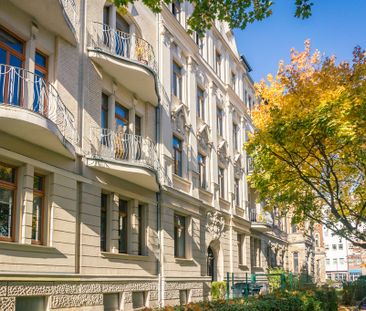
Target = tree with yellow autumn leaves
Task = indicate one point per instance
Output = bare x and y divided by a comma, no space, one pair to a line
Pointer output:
309,146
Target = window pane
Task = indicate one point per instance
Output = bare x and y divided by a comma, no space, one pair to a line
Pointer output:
111,302
138,125
179,235
38,183
123,226
7,174
41,60
104,112
11,41
6,205
30,303
37,218
103,223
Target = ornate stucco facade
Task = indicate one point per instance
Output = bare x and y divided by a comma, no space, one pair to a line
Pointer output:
123,176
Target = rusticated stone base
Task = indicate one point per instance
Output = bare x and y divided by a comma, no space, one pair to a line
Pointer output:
88,295
74,296
197,291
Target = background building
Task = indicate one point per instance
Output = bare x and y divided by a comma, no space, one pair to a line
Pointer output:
336,264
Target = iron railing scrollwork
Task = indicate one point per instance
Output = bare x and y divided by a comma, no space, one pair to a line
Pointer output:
122,44
27,90
129,148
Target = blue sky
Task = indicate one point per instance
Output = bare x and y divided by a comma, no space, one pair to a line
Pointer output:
335,27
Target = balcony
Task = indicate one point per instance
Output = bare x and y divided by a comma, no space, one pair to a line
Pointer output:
31,109
57,16
129,59
261,222
127,156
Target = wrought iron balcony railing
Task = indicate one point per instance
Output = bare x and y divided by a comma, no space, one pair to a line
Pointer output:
128,148
262,218
121,44
69,7
27,90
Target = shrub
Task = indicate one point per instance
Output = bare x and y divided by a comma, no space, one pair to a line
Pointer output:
218,290
275,280
353,292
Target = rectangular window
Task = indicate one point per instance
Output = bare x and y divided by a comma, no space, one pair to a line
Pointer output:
183,297
123,226
177,80
177,150
104,112
176,9
218,64
38,209
235,136
141,229
341,261
328,261
241,239
293,228
335,261
295,257
12,54
7,201
121,118
222,182
111,302
179,236
40,79
340,246
202,170
139,300
220,122
200,104
237,192
233,80
37,303
103,222
256,252
250,103
334,246
138,125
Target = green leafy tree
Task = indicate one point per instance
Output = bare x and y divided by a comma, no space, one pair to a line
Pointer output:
238,14
309,147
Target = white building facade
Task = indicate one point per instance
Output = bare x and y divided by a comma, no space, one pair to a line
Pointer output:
123,178
336,256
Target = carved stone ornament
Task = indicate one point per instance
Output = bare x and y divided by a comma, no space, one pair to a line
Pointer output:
238,170
203,137
180,119
222,152
215,224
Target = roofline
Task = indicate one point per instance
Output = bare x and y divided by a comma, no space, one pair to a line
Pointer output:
246,63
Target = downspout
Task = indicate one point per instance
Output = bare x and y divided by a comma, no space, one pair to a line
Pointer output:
158,194
81,116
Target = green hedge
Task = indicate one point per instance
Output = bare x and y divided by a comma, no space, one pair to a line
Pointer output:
353,292
319,300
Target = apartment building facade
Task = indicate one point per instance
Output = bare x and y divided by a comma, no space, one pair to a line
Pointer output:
336,260
123,178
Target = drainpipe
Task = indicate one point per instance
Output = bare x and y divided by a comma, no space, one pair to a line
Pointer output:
160,270
81,116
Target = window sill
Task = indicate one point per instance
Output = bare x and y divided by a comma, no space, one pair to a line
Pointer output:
123,256
184,260
33,248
